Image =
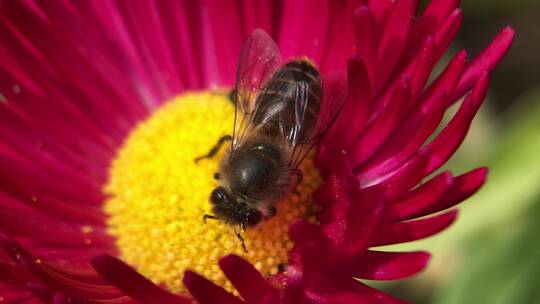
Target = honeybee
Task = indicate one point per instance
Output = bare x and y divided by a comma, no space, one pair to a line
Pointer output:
280,115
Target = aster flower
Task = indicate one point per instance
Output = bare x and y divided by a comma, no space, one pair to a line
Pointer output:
103,106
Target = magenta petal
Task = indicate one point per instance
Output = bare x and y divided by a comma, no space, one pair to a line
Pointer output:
312,244
357,107
449,78
366,39
206,292
427,24
360,229
345,290
394,36
409,136
132,283
380,10
401,180
486,61
11,294
446,34
378,265
379,130
422,68
413,230
420,199
55,278
304,36
249,282
450,138
463,187
48,231
14,274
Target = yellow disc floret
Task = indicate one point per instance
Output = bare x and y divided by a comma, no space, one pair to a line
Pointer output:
158,196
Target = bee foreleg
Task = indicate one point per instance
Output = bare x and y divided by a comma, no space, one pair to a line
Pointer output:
215,149
240,238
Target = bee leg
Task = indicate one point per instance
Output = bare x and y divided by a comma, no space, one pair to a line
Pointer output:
215,149
298,177
240,238
208,216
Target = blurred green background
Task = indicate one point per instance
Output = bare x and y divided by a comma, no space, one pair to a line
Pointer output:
492,253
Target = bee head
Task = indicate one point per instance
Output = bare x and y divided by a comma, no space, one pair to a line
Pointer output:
233,211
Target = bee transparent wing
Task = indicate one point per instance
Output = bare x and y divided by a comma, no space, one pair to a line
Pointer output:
334,96
259,59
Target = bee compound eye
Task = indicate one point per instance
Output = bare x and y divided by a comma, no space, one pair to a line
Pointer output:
218,196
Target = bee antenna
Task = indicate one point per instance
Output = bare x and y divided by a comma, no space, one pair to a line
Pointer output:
237,230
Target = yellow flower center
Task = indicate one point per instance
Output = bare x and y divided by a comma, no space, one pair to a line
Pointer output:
158,196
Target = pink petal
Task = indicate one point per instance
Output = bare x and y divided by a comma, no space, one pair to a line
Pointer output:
394,184
450,138
422,67
356,110
463,187
55,278
413,230
379,130
249,282
449,78
14,274
360,230
340,44
394,37
366,40
308,236
48,231
420,199
344,290
377,265
380,9
446,34
409,136
485,62
304,34
132,283
206,292
427,24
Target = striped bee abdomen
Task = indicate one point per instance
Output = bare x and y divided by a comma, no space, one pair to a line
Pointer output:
289,103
